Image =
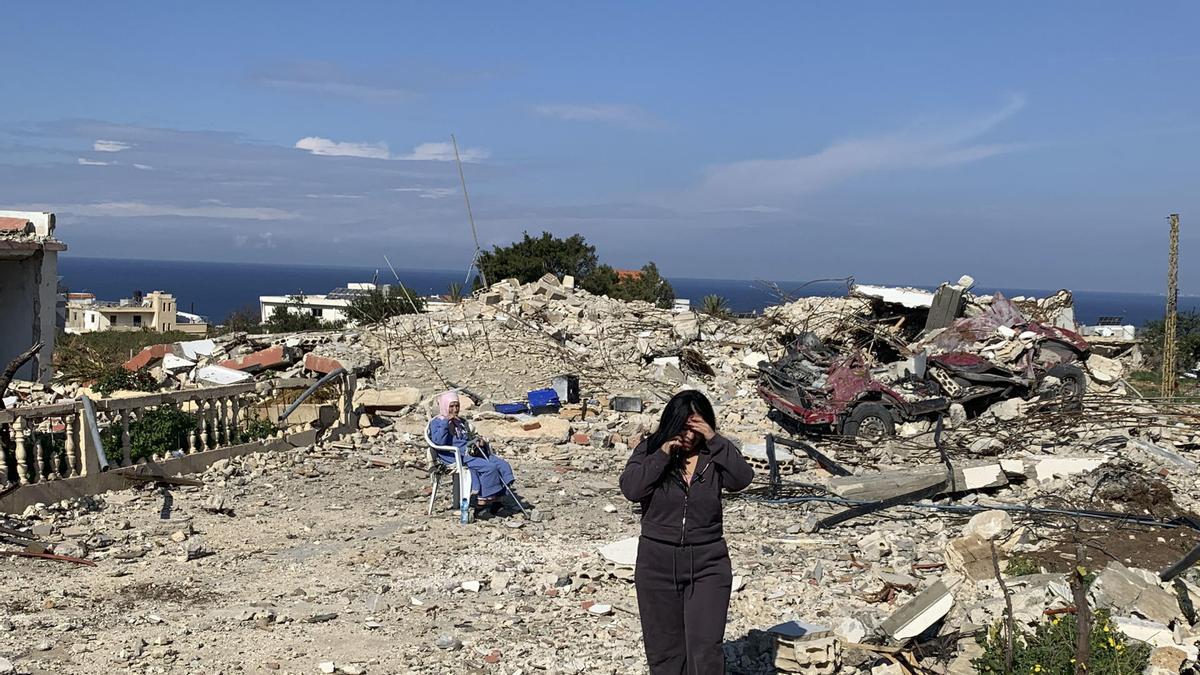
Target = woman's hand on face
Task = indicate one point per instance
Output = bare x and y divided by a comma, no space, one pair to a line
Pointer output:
697,424
670,446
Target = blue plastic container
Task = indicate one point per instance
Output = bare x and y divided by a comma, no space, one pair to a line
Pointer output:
543,401
511,408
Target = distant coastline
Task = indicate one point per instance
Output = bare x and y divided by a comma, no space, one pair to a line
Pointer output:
214,289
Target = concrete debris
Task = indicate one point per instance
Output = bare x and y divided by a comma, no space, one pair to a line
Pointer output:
334,555
970,556
801,647
989,525
919,614
1132,591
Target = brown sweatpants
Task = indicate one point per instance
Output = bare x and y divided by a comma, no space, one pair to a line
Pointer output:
683,598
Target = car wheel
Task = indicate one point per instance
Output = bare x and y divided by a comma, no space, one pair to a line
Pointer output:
870,422
1072,383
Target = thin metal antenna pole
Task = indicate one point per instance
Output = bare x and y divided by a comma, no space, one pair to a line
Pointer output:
470,215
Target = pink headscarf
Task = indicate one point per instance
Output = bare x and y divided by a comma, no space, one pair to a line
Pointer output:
444,402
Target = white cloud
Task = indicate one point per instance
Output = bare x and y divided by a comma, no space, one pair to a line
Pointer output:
444,152
360,92
427,193
260,240
91,162
617,114
143,167
324,146
143,209
844,160
428,152
110,146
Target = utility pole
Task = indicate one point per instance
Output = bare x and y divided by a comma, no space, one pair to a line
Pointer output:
1169,322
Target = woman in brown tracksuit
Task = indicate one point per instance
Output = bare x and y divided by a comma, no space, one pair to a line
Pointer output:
683,575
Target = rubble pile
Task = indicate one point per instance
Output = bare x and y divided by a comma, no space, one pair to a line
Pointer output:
880,556
240,357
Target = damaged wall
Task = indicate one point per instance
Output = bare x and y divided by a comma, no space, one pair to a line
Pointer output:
27,311
29,294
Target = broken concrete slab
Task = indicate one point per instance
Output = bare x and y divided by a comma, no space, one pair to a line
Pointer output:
879,486
148,356
372,400
916,616
194,349
1103,369
1132,591
911,298
1008,409
552,430
220,375
970,556
622,552
1161,456
1047,467
271,357
177,364
1166,660
321,364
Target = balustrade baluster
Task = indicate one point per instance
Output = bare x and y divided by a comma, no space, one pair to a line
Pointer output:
126,448
74,459
18,431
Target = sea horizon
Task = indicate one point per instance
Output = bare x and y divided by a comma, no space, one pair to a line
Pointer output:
215,289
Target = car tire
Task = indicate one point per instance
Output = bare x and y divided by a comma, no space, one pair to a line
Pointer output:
870,422
1074,381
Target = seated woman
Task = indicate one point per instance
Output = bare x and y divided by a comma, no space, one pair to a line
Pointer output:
489,473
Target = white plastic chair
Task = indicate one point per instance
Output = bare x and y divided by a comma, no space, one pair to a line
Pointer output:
437,468
462,484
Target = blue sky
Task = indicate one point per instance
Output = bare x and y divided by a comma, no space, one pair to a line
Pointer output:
1028,144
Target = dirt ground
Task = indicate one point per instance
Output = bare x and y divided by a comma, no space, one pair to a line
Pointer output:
325,559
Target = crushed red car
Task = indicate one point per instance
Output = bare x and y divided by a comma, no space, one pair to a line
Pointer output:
816,388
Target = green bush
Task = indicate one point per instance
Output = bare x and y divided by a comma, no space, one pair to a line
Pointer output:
243,320
378,305
715,305
1050,649
1187,331
119,378
157,431
256,428
648,285
86,357
1020,565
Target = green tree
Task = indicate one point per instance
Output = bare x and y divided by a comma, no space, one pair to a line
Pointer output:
295,317
379,304
1187,336
532,258
649,286
243,320
715,305
284,319
456,292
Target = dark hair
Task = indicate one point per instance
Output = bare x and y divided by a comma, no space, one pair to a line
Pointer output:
675,415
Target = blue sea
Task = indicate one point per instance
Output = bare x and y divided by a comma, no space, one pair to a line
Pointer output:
214,289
